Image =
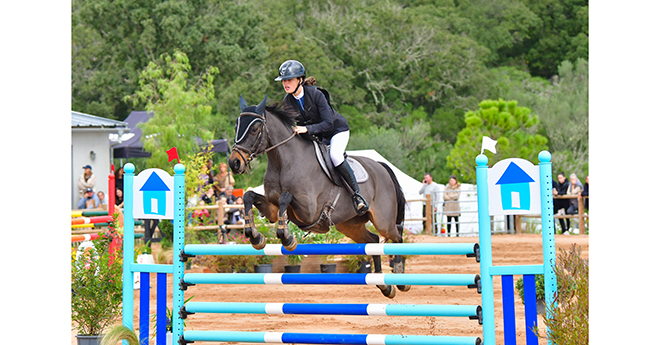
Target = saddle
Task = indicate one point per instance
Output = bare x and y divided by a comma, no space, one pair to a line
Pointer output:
323,158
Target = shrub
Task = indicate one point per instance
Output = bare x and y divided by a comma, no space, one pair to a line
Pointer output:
568,320
96,290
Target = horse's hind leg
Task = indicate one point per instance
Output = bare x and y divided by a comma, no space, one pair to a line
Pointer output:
359,233
398,265
288,241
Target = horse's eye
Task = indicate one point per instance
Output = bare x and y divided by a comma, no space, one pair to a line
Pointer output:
256,127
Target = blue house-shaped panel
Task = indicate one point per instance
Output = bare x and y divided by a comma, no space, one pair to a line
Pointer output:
515,189
154,197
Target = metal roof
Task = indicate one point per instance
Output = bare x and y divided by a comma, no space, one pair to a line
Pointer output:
82,120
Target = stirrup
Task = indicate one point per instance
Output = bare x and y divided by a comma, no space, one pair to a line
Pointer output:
357,201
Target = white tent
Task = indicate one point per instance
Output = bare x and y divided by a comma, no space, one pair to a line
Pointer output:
409,185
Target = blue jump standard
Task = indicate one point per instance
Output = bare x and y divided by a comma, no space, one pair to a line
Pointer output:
333,309
324,338
470,280
469,249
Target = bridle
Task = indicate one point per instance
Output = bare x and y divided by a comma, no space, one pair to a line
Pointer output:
254,151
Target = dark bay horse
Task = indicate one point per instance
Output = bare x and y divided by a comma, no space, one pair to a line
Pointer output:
297,190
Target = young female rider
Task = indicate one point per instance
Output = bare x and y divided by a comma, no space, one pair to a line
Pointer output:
319,119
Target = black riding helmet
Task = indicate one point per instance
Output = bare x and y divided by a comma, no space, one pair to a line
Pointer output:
290,69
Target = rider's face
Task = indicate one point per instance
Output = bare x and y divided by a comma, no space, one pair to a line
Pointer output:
290,85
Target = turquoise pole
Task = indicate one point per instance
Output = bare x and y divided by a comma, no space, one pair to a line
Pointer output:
179,242
548,228
485,246
129,239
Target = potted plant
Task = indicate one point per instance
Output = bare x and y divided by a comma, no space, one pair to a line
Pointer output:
330,237
264,264
293,263
358,263
96,293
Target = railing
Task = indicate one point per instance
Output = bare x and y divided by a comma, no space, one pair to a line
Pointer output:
581,215
516,227
220,209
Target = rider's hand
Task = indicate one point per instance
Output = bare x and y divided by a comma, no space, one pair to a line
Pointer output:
300,129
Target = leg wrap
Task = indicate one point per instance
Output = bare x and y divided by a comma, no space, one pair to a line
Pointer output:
288,241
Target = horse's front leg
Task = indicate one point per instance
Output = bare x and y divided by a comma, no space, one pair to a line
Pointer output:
288,241
269,210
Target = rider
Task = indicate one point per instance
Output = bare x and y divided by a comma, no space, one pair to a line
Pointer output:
318,118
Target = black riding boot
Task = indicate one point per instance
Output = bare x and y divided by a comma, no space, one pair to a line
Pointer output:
360,205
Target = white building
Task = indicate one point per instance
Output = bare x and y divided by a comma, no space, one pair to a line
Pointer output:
90,145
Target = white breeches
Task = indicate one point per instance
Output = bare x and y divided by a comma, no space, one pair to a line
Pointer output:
338,145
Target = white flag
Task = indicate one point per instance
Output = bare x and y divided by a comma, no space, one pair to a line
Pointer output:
488,144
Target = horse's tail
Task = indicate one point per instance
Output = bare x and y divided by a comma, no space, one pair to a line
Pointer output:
400,198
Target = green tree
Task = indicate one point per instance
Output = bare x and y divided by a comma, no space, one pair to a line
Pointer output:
565,119
563,34
181,111
112,41
512,126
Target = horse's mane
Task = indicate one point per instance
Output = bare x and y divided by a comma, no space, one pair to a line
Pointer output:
285,113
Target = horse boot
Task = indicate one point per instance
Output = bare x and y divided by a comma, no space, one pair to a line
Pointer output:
288,241
359,203
257,240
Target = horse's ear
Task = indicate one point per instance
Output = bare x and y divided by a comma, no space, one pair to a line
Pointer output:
262,106
242,103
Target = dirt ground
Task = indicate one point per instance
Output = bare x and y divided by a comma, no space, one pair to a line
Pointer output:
507,250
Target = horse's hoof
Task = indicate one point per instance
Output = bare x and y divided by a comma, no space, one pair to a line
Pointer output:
259,242
403,288
387,290
290,243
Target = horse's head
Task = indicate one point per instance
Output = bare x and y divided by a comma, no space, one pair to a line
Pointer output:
251,136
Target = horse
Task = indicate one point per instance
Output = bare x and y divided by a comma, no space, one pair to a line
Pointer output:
296,189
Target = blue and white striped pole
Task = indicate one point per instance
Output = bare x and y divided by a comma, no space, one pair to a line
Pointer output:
548,228
332,279
128,247
179,242
325,338
337,249
485,246
333,309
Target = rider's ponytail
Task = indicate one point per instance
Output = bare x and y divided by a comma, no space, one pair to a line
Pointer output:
310,81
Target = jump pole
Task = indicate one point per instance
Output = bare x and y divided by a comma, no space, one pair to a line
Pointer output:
129,247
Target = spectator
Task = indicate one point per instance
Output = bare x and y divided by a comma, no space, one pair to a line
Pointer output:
238,215
208,197
205,177
429,188
222,179
119,197
119,179
574,189
103,202
560,187
89,200
585,192
86,180
209,166
451,206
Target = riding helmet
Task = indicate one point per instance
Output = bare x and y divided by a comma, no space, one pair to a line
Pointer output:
290,69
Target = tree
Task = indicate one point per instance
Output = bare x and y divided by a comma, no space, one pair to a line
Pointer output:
112,41
563,34
565,119
512,126
181,111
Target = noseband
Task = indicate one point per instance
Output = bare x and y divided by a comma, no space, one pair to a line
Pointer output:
253,151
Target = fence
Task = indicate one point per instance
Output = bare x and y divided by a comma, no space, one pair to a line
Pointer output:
499,224
482,251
